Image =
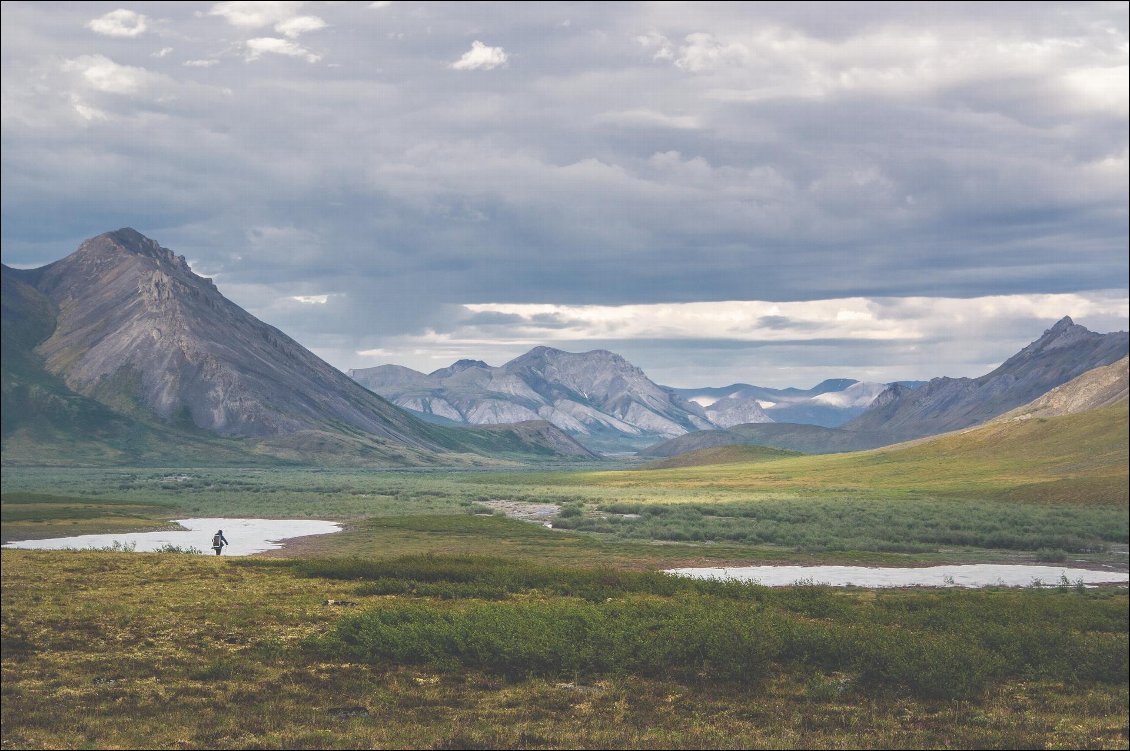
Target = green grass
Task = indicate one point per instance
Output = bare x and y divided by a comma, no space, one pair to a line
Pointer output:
723,455
562,621
148,650
32,516
719,513
867,524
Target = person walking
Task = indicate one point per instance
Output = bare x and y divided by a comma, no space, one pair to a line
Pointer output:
219,541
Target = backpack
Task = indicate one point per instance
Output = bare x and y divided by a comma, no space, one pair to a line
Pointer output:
216,541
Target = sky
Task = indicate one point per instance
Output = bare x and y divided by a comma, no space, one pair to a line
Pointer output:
761,193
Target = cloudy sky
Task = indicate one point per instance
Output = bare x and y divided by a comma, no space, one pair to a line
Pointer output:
771,194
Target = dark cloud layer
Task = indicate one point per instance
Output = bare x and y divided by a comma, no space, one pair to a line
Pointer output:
589,154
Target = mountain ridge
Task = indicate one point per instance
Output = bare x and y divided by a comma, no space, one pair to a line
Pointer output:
120,347
1061,353
597,396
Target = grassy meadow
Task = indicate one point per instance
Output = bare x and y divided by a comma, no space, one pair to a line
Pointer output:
110,650
435,621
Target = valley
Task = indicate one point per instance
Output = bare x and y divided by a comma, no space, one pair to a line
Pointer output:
499,577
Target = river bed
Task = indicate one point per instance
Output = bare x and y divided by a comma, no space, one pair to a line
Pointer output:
244,536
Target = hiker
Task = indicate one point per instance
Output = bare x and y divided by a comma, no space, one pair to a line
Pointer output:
219,541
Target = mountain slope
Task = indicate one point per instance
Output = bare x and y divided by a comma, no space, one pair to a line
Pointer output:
44,422
1073,458
138,331
143,352
1101,387
944,404
598,397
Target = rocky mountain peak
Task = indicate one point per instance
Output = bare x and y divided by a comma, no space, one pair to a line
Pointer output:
130,241
458,367
1065,333
890,394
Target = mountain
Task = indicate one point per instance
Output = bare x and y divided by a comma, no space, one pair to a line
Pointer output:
598,397
122,345
1064,351
830,403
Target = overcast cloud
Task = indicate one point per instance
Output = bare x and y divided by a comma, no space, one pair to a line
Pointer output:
772,194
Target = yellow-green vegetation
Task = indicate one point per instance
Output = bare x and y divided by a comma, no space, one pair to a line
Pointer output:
1073,458
35,516
151,650
569,637
723,455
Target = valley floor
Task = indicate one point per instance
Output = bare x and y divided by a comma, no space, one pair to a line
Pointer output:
435,621
110,650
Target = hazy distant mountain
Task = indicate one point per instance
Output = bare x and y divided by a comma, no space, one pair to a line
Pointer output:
597,396
830,403
125,339
1063,352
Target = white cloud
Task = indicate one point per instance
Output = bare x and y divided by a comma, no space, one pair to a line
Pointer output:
119,23
86,112
480,57
647,118
103,74
653,40
253,15
200,63
843,319
703,52
259,46
295,27
1101,89
380,4
311,299
163,52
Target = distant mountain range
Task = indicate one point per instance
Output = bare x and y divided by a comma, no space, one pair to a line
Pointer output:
608,404
1067,370
598,397
121,351
830,403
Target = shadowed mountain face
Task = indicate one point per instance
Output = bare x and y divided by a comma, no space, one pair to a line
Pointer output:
597,396
123,335
1063,352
